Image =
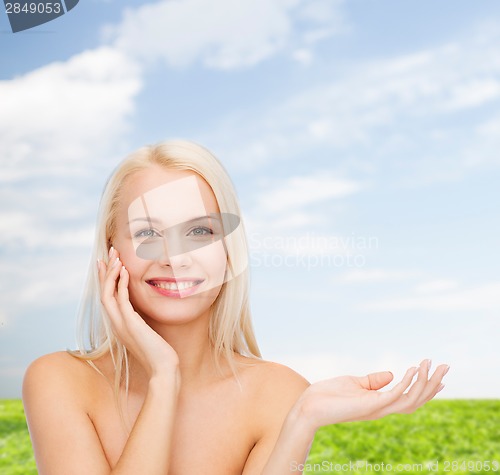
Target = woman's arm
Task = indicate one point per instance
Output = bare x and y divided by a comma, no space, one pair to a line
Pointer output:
337,400
56,392
65,441
63,435
148,446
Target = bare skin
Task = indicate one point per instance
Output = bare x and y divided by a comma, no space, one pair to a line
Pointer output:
216,425
185,417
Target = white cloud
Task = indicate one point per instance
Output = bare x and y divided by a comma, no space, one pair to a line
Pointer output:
327,16
361,276
65,114
473,93
490,128
376,114
289,216
15,225
59,123
25,230
436,286
221,34
303,56
483,151
304,190
44,281
485,297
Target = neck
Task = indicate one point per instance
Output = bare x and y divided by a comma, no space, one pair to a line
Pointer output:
191,343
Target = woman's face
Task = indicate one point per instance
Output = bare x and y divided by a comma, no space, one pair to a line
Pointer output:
170,239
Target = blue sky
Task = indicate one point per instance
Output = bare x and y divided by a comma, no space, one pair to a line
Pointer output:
362,138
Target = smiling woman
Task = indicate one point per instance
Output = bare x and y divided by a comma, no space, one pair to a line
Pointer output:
168,377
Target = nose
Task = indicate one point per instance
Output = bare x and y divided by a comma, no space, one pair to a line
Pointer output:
173,253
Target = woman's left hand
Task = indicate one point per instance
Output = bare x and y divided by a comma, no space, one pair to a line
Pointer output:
351,398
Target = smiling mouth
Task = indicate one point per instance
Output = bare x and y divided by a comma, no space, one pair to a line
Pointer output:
174,286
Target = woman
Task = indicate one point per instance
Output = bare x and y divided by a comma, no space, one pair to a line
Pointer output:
173,382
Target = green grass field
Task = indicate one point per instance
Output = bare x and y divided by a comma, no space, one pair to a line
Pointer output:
455,437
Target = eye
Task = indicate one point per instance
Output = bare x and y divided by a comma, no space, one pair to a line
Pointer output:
200,231
146,233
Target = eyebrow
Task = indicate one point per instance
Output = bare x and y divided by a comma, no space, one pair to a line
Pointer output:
159,221
149,220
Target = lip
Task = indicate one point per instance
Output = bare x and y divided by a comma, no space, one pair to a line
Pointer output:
175,293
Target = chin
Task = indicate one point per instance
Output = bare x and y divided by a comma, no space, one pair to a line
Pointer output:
177,311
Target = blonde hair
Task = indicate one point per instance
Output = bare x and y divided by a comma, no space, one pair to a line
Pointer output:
230,327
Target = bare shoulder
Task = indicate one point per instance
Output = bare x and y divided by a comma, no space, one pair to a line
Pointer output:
56,372
278,378
275,388
56,389
59,359
59,363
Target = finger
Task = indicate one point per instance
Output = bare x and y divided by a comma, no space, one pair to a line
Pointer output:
123,295
420,385
421,391
101,271
123,284
397,391
392,400
377,380
108,290
113,257
102,267
435,383
112,273
439,373
109,270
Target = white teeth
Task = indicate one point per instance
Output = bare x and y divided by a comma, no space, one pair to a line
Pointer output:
175,286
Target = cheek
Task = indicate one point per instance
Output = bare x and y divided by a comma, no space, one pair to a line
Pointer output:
129,259
212,259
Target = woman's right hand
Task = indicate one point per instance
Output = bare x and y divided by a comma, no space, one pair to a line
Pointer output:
152,352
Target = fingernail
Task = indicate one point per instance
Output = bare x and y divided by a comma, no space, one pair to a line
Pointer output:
441,386
115,262
446,370
111,249
429,364
98,263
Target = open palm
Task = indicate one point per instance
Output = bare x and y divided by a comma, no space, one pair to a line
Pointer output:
351,398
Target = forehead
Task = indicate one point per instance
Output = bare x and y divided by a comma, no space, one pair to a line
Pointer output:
171,196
